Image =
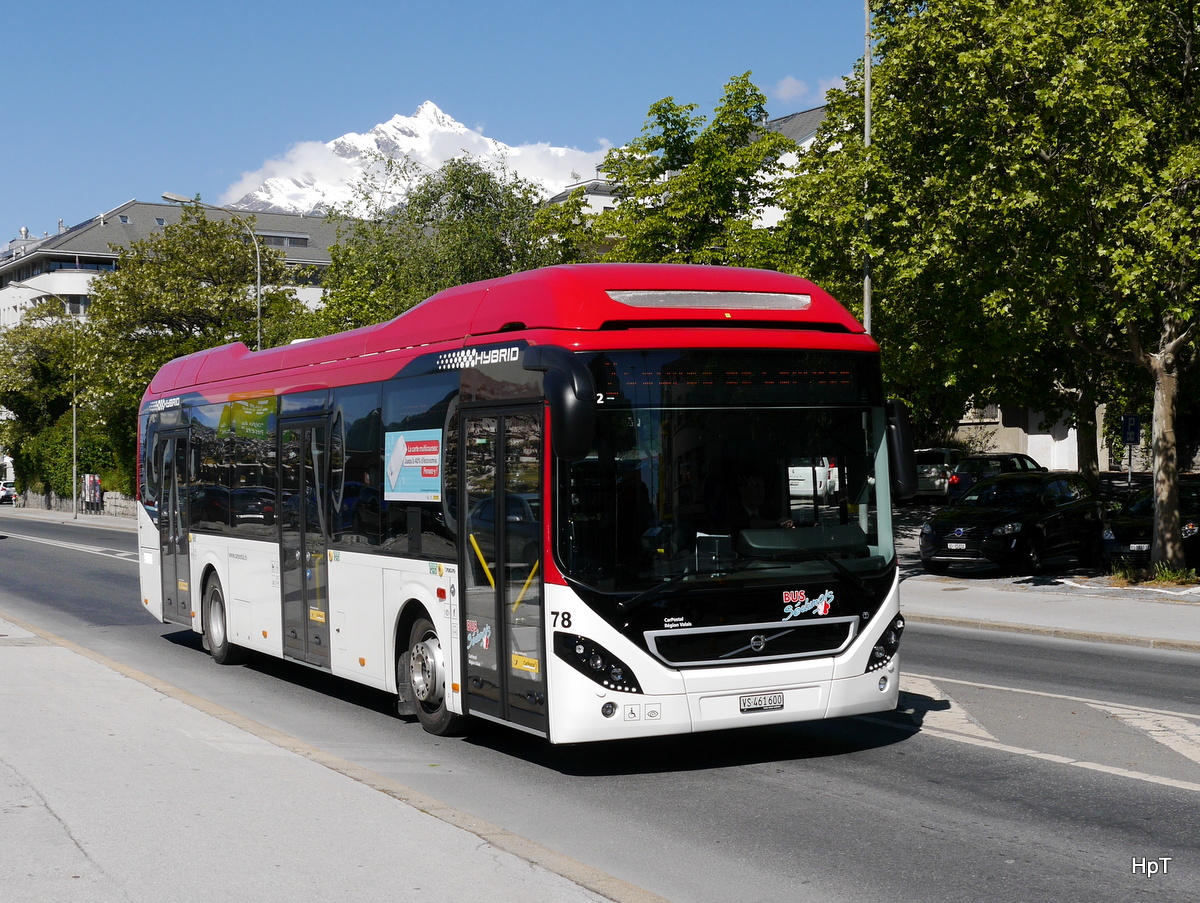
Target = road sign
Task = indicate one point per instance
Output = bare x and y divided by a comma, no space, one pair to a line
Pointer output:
1131,429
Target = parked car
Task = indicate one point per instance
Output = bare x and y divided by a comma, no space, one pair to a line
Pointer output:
522,528
810,477
8,492
253,505
973,468
1016,521
1129,529
934,466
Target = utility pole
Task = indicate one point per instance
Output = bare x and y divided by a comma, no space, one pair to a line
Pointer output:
866,184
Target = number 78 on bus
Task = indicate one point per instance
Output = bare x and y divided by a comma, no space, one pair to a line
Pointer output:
590,502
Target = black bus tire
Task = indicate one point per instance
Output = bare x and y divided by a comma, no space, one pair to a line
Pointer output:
426,681
216,626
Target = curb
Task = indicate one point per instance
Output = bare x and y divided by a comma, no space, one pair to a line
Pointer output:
1062,633
584,876
64,518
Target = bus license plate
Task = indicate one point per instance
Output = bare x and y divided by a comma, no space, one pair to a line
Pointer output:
956,545
765,702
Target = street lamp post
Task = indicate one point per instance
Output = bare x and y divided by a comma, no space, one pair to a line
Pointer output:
180,199
866,149
74,391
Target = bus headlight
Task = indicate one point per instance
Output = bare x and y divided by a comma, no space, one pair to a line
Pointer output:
886,647
591,659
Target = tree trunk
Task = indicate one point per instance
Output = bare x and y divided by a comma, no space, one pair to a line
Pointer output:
1086,431
1168,539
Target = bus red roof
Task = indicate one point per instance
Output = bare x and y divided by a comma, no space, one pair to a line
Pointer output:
581,298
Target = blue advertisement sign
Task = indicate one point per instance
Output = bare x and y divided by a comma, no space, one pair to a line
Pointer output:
413,466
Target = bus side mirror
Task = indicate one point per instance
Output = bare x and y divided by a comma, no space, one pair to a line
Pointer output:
571,393
900,450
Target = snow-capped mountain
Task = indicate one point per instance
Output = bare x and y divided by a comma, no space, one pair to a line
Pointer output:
312,177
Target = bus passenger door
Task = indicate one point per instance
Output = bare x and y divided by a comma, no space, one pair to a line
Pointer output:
505,656
171,464
303,532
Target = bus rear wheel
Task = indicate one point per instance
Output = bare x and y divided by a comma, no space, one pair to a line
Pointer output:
216,627
426,679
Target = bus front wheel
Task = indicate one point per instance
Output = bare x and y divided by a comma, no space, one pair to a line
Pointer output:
216,627
426,677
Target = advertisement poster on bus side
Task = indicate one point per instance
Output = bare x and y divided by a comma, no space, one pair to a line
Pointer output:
412,466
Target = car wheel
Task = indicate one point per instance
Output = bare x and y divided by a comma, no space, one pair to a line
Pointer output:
1030,562
426,677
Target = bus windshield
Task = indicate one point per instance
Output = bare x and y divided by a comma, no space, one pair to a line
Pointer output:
729,467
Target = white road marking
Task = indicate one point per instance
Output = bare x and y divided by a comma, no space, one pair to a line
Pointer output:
954,718
1178,734
1179,731
1085,700
91,550
1187,591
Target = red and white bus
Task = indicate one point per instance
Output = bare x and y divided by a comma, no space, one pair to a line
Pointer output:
557,500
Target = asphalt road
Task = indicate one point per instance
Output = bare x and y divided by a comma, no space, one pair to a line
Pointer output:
1016,768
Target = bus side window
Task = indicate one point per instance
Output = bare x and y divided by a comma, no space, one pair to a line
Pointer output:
414,523
357,499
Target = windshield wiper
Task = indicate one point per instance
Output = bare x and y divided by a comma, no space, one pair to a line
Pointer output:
648,595
847,573
828,558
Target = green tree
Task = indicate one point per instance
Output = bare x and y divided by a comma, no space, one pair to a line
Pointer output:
465,222
695,192
1033,184
189,288
40,372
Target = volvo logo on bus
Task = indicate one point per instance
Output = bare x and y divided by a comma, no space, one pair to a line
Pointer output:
758,642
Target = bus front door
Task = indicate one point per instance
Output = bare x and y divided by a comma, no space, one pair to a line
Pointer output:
303,543
503,646
171,464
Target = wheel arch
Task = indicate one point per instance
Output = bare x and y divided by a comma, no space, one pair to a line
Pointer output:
411,609
208,573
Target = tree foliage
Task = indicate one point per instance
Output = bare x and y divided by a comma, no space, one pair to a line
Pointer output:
464,222
695,192
188,288
1032,211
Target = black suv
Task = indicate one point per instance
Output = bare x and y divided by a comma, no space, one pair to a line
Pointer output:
1016,521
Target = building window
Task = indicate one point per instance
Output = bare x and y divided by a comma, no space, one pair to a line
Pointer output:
284,241
160,220
986,414
123,218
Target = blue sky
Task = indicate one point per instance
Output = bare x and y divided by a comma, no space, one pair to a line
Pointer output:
122,99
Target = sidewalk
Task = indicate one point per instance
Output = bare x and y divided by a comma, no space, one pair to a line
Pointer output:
117,788
112,521
1064,606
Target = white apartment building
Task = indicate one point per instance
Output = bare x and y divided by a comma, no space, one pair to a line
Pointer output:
64,264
